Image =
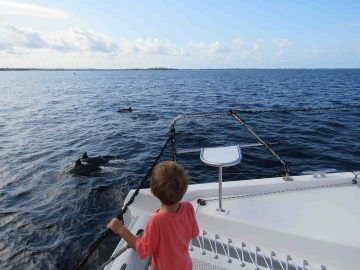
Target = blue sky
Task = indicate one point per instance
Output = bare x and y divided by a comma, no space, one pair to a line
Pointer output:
182,34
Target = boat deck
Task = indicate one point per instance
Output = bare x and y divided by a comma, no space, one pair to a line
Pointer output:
313,219
310,222
316,214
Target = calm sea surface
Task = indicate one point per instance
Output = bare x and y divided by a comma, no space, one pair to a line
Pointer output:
48,119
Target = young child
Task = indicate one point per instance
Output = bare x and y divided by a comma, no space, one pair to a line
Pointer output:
169,231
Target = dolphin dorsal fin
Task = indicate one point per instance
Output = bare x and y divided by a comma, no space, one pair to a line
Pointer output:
78,162
85,155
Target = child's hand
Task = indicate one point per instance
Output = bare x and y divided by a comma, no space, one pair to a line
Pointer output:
116,226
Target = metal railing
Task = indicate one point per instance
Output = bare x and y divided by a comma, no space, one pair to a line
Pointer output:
247,127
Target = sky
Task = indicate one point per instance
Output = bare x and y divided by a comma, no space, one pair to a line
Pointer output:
179,34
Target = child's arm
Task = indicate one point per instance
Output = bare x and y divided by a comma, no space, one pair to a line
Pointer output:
118,227
195,226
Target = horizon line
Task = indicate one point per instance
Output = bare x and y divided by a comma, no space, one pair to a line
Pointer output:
162,68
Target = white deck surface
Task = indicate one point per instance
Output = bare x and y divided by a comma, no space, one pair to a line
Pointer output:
317,219
327,214
313,219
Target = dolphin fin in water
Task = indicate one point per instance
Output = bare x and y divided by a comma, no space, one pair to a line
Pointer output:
84,169
99,160
125,110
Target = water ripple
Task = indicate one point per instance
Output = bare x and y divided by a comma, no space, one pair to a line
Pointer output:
49,119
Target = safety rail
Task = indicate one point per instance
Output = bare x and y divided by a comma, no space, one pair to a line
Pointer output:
248,128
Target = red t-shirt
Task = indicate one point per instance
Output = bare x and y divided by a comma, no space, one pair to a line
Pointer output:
167,237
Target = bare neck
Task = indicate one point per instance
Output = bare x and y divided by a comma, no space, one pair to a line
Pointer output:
172,208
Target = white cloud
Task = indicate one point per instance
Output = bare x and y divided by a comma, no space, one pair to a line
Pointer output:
24,37
217,47
198,45
183,52
283,43
23,9
212,47
5,43
278,54
73,39
257,45
78,38
238,42
150,46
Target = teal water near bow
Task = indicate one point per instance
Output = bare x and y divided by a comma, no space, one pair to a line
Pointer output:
48,119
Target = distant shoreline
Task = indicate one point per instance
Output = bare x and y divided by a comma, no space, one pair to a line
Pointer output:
161,68
83,69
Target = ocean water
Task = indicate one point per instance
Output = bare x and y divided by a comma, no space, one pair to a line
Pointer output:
48,119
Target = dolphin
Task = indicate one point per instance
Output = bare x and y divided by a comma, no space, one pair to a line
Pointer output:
98,161
84,169
125,110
